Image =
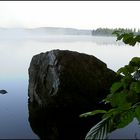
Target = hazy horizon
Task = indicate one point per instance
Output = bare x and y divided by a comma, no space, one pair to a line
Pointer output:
70,14
60,27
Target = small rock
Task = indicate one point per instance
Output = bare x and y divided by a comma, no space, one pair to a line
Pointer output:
3,91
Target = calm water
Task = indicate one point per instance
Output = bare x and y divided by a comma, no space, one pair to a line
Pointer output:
15,58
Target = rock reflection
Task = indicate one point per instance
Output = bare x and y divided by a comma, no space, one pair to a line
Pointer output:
41,123
58,124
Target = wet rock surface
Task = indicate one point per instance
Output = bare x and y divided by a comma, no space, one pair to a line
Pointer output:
62,85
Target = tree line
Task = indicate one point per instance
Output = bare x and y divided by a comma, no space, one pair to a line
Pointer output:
109,31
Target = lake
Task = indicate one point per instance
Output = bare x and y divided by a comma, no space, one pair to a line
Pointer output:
15,59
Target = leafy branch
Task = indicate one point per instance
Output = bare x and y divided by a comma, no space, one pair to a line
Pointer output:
124,96
128,38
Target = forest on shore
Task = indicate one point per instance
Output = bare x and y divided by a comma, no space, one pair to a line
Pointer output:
109,31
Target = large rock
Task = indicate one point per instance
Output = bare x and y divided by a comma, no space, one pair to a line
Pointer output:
63,85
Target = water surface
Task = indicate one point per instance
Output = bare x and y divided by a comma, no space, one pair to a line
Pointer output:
15,59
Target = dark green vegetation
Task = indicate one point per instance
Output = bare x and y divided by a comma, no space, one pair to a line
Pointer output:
108,31
124,96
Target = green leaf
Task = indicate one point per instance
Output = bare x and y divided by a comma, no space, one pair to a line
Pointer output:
126,81
110,113
100,130
119,99
135,61
117,33
132,42
119,37
92,113
125,118
107,99
126,70
122,70
137,38
127,38
137,112
115,87
135,86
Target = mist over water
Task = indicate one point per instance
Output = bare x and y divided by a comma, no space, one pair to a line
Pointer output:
15,58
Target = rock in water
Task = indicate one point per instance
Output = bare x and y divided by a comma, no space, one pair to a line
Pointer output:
62,85
3,91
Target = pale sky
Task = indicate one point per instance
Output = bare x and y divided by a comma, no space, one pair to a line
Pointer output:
73,14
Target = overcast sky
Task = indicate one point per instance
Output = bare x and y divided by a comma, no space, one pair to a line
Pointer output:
75,14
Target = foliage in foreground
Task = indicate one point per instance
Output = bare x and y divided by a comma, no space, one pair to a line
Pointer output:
124,96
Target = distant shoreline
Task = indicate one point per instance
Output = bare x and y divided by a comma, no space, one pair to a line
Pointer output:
45,31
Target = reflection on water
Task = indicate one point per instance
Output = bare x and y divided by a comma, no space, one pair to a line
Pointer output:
14,110
46,124
15,58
